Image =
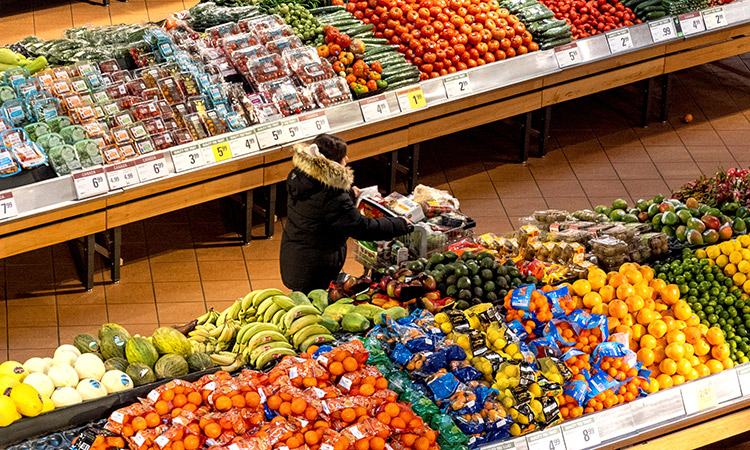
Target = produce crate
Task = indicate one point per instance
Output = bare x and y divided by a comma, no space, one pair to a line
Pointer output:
373,259
423,242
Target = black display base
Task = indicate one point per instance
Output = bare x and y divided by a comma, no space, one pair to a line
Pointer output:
27,177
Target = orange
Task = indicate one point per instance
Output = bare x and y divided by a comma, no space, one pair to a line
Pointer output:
362,444
634,276
728,363
647,272
617,279
715,336
689,351
381,383
703,370
683,366
398,422
252,399
161,407
657,328
195,398
421,443
720,352
627,320
607,293
645,316
299,405
384,417
581,287
213,430
377,443
274,402
677,380
348,415
642,290
675,351
646,356
670,322
179,400
238,401
191,442
693,320
701,347
682,310
676,336
312,438
591,299
714,366
408,439
285,409
139,423
648,341
692,335
691,375
366,390
634,302
167,395
638,332
392,409
625,290
618,309
670,294
597,282
336,368
152,420
664,380
668,367
350,364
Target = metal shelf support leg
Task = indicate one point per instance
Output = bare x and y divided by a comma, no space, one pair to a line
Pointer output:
83,258
247,205
666,103
545,117
646,108
523,154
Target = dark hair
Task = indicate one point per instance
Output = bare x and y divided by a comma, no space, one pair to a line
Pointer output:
331,147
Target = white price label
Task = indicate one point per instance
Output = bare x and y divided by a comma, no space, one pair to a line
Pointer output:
270,135
121,175
375,108
691,23
90,182
293,130
151,167
8,206
662,29
515,444
660,407
581,434
743,373
411,98
568,55
187,158
727,385
457,85
714,18
619,40
244,144
699,396
550,439
314,123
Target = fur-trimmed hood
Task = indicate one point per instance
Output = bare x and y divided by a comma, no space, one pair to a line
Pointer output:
322,169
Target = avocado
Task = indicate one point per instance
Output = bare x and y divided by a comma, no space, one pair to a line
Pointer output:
619,204
436,259
473,267
478,292
451,291
463,283
451,280
415,266
669,218
464,294
450,256
487,274
489,286
468,256
476,280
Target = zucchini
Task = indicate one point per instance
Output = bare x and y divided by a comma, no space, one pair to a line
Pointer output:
653,15
375,41
355,30
326,9
401,84
645,4
402,77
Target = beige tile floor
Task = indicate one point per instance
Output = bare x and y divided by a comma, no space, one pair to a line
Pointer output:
179,264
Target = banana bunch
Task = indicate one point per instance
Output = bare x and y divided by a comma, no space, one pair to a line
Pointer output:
209,318
301,325
209,338
227,360
258,343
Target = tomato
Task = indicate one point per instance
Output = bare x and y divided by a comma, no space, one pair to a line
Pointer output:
473,53
465,29
465,56
519,28
455,4
463,39
459,49
493,15
358,15
457,20
498,33
512,19
484,7
350,7
522,50
416,34
481,62
525,40
471,63
475,38
486,35
502,22
511,52
481,17
482,48
450,53
477,27
499,55
493,46
440,54
439,65
412,16
443,18
417,61
504,44
427,68
489,57
424,13
462,12
516,41
469,19
419,51
455,60
462,66
504,13
494,5
533,47
434,74
473,10
400,29
427,30
380,26
442,43
443,72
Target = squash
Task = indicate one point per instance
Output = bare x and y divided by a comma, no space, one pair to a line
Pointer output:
168,340
120,364
199,361
172,366
141,350
86,343
140,374
112,340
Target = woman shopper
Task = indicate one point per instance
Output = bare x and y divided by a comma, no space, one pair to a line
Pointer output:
322,216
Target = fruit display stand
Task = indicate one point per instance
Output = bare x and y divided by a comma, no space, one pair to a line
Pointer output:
90,202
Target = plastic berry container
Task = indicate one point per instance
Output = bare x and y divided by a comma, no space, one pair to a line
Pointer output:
9,138
331,92
145,110
284,43
163,141
17,111
550,215
267,68
88,153
155,125
117,90
272,33
240,58
138,130
314,72
121,135
214,123
181,136
170,89
608,246
8,163
296,57
237,41
110,154
222,31
260,23
196,126
136,86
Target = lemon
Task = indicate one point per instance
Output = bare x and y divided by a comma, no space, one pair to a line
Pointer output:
441,318
744,266
737,246
515,429
535,390
511,370
13,368
746,287
739,278
726,247
730,269
536,406
713,251
446,327
6,384
722,261
27,399
735,257
700,254
508,403
499,343
8,412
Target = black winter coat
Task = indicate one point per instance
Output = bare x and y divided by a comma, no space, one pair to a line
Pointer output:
321,217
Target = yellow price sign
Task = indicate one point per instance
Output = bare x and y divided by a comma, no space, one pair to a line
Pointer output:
221,151
412,98
706,397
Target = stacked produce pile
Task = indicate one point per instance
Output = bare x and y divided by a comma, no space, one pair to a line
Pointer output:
548,32
588,18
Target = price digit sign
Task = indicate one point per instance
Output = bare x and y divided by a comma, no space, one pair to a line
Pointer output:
121,175
314,123
457,85
151,167
568,55
743,373
619,40
550,439
187,158
244,144
714,18
411,98
375,108
691,23
90,182
270,135
581,434
8,206
222,151
292,129
699,396
662,29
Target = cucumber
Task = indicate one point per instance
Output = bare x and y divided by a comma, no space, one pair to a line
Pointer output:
375,41
402,77
558,31
343,23
379,49
403,71
654,8
359,29
555,43
326,9
655,15
645,4
401,84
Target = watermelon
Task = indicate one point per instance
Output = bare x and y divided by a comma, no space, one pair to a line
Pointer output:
168,340
171,366
85,343
140,374
112,340
116,364
139,349
199,361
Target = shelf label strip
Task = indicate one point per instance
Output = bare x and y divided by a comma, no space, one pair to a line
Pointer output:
8,206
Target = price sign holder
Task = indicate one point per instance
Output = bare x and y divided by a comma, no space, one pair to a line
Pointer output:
314,123
8,207
662,29
513,444
698,396
187,158
714,18
615,422
244,144
690,23
619,40
270,135
568,55
658,408
581,434
151,167
122,175
550,439
411,98
89,182
457,85
221,151
743,373
292,130
375,108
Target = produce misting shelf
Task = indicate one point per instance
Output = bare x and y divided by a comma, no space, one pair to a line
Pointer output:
70,207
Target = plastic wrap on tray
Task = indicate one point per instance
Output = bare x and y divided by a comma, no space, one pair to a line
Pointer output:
608,246
8,163
266,68
73,133
29,154
50,140
28,86
273,33
35,130
331,92
63,159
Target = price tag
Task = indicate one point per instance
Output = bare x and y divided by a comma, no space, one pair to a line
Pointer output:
699,396
244,144
619,40
89,182
662,29
314,123
375,108
292,130
151,167
270,135
187,158
222,151
660,407
727,385
515,444
121,175
615,422
743,373
457,85
691,23
581,434
550,439
411,98
8,206
714,18
568,55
